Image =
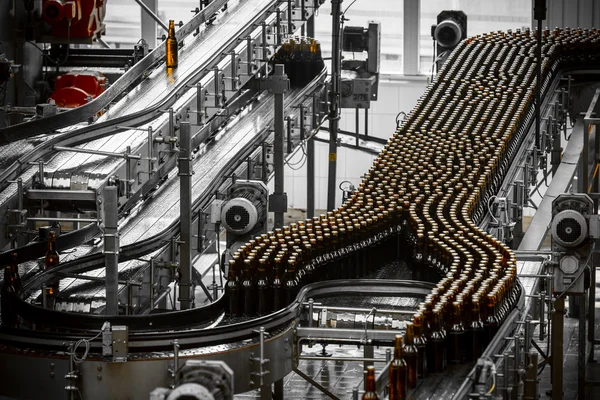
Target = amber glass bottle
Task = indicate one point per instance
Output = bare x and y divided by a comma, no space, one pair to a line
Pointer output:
249,290
421,344
263,289
411,355
398,372
232,291
474,333
455,335
370,387
171,46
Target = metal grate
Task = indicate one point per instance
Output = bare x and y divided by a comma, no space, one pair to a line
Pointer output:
568,230
237,218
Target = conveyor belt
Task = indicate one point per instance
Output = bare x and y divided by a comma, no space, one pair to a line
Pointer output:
157,92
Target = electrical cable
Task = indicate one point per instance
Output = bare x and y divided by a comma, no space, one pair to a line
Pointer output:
398,123
43,51
351,4
490,210
86,342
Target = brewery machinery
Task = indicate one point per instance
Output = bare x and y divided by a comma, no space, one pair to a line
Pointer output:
135,177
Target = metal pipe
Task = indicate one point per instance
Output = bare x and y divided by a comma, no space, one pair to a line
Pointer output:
154,16
111,249
97,152
152,283
310,167
63,219
365,359
334,114
185,206
278,144
358,310
162,296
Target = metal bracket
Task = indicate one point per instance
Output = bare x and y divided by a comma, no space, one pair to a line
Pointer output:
262,372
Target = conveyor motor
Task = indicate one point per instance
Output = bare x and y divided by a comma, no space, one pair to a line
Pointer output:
199,380
572,225
244,212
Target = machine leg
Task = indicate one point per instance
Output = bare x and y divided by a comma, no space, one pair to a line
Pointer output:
111,249
581,360
369,353
185,221
278,386
558,319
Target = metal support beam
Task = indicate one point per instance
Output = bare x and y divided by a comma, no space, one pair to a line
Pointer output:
334,112
412,14
310,163
149,21
558,319
581,359
61,195
185,219
279,84
111,249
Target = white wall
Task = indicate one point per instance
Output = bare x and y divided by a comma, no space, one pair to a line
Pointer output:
395,95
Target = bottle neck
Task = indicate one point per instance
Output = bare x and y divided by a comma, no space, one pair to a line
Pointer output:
370,382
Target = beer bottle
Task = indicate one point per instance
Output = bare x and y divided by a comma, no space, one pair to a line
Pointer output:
474,333
264,289
232,291
52,259
436,346
317,58
171,46
398,372
411,355
291,282
421,344
249,290
456,335
370,387
278,287
7,300
15,272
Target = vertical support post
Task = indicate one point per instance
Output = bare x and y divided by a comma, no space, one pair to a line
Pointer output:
412,13
581,361
366,122
310,164
150,151
334,113
557,348
185,220
592,301
310,25
278,386
289,143
369,352
357,123
152,289
531,380
199,104
539,13
279,85
585,161
111,249
149,23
